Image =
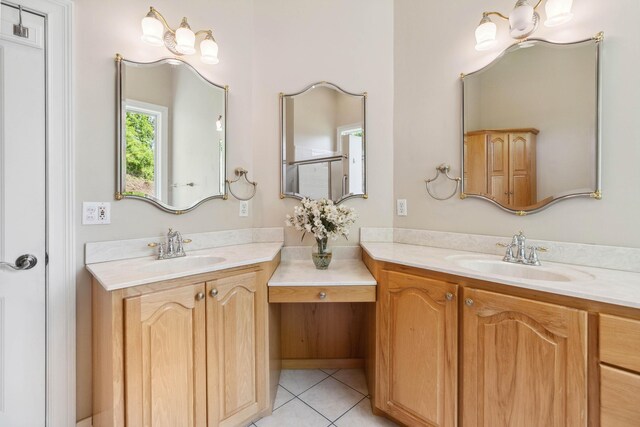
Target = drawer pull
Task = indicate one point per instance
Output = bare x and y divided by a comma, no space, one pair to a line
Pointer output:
213,292
322,295
199,296
468,302
449,296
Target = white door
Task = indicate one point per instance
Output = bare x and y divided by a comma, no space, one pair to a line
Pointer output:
22,220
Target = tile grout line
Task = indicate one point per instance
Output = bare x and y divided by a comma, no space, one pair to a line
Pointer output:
347,411
342,382
304,391
330,422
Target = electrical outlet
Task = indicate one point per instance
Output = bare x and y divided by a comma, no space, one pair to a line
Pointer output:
94,213
401,207
244,208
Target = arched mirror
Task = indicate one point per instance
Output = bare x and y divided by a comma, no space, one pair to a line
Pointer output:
531,126
171,135
323,131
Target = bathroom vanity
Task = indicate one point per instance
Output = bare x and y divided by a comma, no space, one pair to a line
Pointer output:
446,337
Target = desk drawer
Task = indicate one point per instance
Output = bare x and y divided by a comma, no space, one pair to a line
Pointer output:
619,398
322,294
620,342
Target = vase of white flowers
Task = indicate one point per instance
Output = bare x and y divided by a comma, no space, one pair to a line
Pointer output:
325,221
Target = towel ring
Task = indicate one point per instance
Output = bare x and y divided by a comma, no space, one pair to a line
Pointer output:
444,169
241,172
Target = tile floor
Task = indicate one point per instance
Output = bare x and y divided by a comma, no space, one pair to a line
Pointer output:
321,398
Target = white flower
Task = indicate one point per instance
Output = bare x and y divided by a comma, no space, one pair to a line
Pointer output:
322,218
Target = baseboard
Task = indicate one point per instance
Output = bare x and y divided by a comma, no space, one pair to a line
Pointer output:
87,422
322,363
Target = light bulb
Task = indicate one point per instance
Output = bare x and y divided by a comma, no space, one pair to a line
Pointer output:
152,30
219,124
185,39
209,50
558,12
521,17
485,34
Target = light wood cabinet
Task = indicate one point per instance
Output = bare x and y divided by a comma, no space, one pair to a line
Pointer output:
524,362
232,350
186,352
165,357
501,164
417,360
619,387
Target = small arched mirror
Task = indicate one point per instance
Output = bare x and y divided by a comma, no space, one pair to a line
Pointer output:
323,131
171,135
531,126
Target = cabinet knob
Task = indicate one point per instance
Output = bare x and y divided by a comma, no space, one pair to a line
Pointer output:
449,296
322,295
213,292
199,296
468,302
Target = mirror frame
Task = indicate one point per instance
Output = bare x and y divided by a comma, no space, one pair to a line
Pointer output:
364,95
597,192
121,139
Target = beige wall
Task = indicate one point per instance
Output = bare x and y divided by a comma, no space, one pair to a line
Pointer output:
434,44
103,28
348,43
266,47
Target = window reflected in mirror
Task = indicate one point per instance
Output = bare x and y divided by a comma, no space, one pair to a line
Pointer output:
323,143
531,126
172,140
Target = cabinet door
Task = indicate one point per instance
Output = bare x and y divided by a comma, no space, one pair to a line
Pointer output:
418,361
475,164
232,346
524,362
522,166
499,167
165,358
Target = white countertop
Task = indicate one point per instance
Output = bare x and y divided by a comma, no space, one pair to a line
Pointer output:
121,274
597,284
347,272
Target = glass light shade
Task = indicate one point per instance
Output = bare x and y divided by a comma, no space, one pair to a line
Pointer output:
152,31
558,12
521,17
185,41
485,34
209,51
219,127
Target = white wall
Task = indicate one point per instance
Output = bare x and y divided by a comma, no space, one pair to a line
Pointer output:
266,47
428,61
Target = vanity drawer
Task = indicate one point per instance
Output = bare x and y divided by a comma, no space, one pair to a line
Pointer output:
619,397
620,342
322,294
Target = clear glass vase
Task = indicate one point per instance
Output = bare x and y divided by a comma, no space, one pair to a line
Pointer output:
321,254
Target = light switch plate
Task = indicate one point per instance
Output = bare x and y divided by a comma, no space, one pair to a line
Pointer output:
96,213
401,207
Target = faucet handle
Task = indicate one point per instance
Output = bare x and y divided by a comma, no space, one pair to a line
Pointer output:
532,259
187,240
503,245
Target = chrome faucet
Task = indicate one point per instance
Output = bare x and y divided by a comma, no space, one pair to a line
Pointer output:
174,246
519,244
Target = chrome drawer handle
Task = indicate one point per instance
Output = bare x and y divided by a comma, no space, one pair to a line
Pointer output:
322,295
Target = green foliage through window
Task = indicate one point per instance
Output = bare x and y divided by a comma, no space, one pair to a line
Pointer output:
140,145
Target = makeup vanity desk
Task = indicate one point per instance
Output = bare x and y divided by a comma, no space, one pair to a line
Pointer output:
323,313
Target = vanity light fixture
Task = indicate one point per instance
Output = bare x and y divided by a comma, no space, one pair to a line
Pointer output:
157,32
219,127
523,21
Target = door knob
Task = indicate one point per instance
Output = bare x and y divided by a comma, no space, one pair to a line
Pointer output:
199,296
322,295
213,292
23,262
449,296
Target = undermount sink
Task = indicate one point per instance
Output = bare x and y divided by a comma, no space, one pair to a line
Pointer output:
184,263
498,267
